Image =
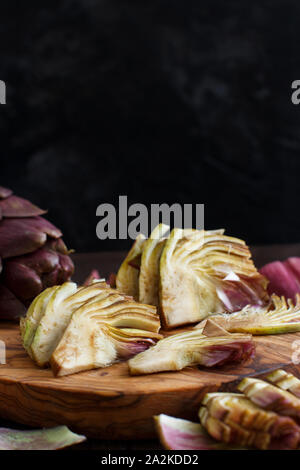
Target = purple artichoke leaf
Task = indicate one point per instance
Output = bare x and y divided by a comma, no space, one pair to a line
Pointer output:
15,206
45,226
67,267
21,280
43,439
58,245
52,279
43,260
19,237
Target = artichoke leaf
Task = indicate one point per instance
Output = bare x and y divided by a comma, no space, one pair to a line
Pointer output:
43,439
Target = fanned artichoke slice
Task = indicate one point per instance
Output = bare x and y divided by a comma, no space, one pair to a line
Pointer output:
206,272
89,344
192,348
127,280
285,381
120,311
149,270
270,397
234,419
58,312
279,316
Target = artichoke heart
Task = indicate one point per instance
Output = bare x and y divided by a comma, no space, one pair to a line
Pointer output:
192,348
206,272
234,419
279,316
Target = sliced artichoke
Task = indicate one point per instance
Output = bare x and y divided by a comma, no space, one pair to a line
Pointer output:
206,272
89,343
191,348
127,279
149,270
56,317
269,397
285,381
180,434
234,419
279,316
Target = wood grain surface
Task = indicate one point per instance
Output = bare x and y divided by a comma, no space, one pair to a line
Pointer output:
108,403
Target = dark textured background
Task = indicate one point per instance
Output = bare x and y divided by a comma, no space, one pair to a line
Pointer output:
165,101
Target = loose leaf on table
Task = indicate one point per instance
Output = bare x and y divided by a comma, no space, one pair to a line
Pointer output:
44,439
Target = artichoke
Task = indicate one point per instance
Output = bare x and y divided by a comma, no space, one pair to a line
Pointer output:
234,419
79,328
279,316
270,397
191,274
32,254
206,272
180,434
192,348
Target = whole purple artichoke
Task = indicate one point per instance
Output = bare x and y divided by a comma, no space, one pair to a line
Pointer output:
32,254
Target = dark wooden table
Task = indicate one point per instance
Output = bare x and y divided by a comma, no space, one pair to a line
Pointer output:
107,262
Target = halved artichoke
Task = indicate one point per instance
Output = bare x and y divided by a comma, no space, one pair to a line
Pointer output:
88,317
269,397
279,316
285,381
180,434
127,279
232,418
192,348
149,270
206,272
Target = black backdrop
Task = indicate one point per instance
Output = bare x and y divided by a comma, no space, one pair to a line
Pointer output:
163,101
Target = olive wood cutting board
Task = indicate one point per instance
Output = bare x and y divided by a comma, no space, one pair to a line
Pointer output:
108,403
